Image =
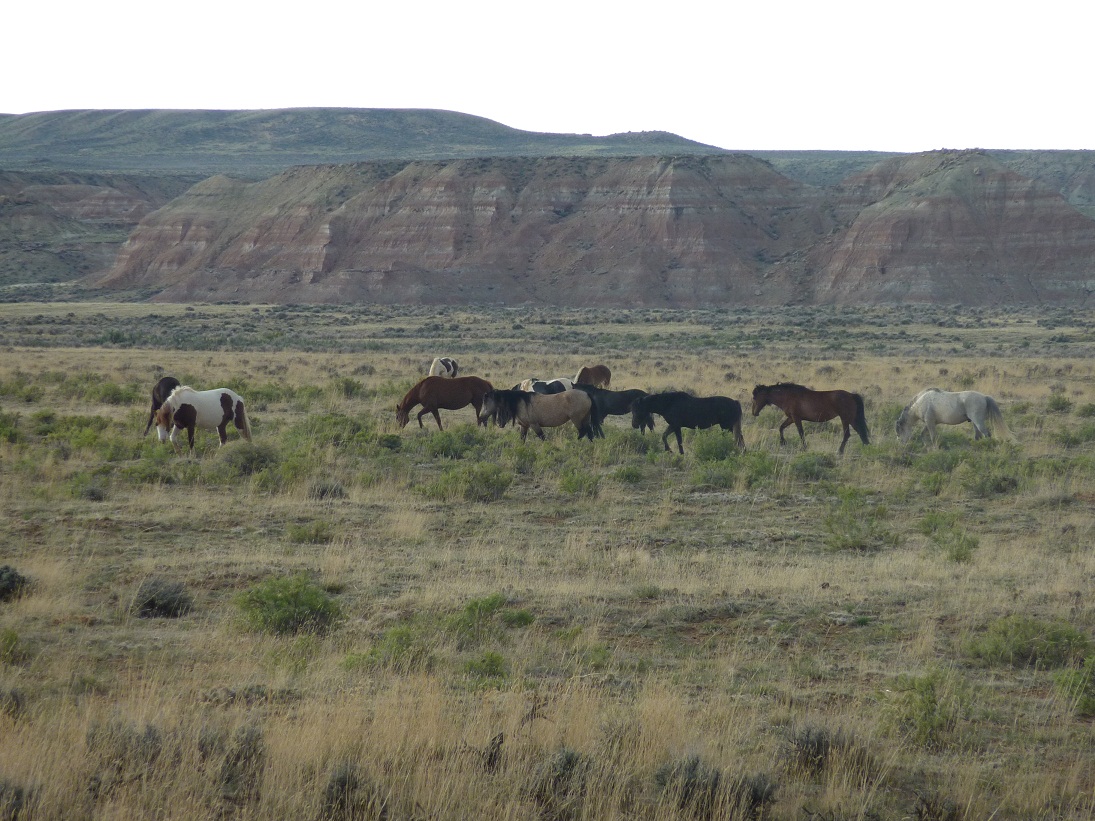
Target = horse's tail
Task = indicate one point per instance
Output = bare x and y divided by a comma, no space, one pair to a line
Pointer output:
860,423
996,417
241,420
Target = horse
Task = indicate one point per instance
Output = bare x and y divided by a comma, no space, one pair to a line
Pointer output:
187,409
159,394
596,375
683,410
802,404
443,393
935,407
534,385
539,411
609,403
444,366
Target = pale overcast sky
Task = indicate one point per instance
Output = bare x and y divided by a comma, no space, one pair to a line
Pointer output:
848,74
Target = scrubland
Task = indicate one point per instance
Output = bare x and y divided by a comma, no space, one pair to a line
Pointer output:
343,619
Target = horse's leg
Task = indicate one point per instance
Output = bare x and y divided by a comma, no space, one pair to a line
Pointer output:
680,442
524,432
929,426
539,431
786,422
421,413
190,437
478,405
222,429
738,437
847,436
979,428
802,434
437,416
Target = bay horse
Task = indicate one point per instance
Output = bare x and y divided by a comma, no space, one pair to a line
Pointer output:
683,410
596,375
935,407
609,403
539,411
159,394
436,393
802,404
444,366
187,409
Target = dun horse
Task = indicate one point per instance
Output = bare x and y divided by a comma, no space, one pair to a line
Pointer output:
683,410
159,394
436,393
935,407
187,409
596,375
804,405
539,411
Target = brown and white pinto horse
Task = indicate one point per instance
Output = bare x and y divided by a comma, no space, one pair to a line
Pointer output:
599,376
444,366
187,409
802,404
436,393
159,394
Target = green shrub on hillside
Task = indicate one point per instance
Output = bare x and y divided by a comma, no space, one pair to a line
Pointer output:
288,605
1020,640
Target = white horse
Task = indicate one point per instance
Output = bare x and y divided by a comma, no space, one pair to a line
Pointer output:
935,407
186,409
444,366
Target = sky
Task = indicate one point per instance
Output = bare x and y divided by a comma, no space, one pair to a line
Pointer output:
793,75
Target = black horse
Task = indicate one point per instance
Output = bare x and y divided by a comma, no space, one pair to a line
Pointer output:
609,403
682,410
159,394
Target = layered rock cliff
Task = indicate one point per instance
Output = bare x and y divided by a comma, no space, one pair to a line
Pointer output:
683,231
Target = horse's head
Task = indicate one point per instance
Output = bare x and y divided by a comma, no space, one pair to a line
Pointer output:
494,410
904,425
641,417
165,416
402,415
760,398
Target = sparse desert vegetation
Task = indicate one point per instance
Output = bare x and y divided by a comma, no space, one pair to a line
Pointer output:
344,620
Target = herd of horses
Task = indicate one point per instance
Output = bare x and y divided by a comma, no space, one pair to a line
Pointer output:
586,401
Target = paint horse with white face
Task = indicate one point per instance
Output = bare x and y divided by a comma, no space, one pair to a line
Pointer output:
187,409
444,366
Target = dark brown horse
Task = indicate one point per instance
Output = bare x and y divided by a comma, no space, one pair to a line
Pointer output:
159,396
598,376
443,393
805,405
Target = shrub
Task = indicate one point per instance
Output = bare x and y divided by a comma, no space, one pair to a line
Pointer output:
1077,686
322,489
579,482
854,525
628,474
704,792
404,647
9,427
715,475
161,598
1086,411
487,665
316,532
1020,640
713,446
559,783
248,459
809,467
927,708
1058,403
485,482
288,605
350,796
12,583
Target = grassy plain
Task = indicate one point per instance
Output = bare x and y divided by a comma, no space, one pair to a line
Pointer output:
559,629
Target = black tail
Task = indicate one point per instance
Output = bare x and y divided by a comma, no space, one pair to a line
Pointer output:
860,423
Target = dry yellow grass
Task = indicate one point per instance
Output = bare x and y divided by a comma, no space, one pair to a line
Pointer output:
677,615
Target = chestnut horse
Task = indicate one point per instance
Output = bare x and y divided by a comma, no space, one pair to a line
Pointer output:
159,394
539,411
596,375
436,393
802,404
